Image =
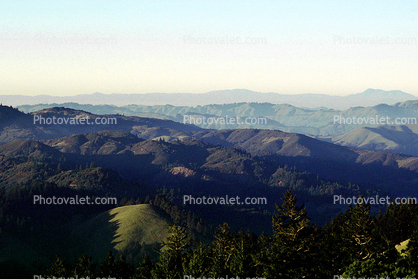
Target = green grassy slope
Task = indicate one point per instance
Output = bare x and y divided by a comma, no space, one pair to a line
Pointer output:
121,230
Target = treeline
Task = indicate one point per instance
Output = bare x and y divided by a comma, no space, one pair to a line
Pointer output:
45,227
20,215
19,212
355,243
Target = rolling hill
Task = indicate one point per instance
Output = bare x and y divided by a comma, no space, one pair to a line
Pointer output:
130,230
401,139
305,153
285,117
17,125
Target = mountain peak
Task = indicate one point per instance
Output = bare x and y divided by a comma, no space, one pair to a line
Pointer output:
371,92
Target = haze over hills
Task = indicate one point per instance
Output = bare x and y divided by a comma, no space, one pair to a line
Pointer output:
369,97
282,117
399,139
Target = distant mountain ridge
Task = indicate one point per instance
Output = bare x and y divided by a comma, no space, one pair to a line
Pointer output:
370,97
283,117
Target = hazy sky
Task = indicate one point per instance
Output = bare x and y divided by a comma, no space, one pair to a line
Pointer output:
291,47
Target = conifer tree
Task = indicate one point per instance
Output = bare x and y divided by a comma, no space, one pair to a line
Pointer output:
290,223
200,261
357,232
84,267
58,269
290,251
261,256
110,267
222,249
242,263
173,254
398,222
411,254
145,268
107,267
333,245
123,269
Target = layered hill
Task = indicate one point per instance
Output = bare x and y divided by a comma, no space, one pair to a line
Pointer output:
107,161
123,152
283,148
401,139
369,97
304,152
58,122
161,153
268,142
382,169
285,117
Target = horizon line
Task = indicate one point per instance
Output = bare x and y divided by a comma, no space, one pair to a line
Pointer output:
213,91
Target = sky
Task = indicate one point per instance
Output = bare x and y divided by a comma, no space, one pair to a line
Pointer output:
65,48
